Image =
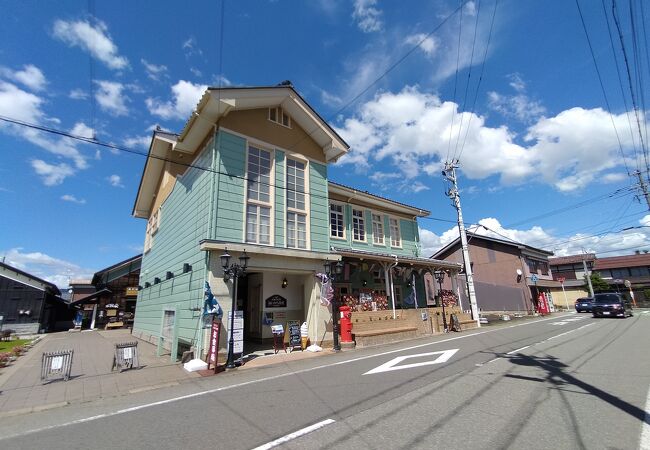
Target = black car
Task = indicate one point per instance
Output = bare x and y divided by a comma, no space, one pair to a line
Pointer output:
611,305
584,304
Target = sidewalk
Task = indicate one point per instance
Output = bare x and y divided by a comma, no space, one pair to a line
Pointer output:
22,391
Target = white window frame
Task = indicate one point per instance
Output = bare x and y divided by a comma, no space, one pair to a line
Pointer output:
329,211
293,210
399,232
259,203
361,223
280,113
374,232
152,229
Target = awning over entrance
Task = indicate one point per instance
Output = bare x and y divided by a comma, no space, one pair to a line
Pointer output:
92,298
423,263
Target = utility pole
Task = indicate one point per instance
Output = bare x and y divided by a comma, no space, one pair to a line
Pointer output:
450,174
587,274
644,188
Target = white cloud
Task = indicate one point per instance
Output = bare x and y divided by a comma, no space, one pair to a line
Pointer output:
367,16
111,98
196,72
413,130
91,37
190,47
31,77
82,130
155,72
519,106
617,242
72,199
185,96
137,141
52,174
51,269
27,107
115,181
428,44
78,94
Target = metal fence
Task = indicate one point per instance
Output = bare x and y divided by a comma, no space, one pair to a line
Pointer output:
56,365
126,356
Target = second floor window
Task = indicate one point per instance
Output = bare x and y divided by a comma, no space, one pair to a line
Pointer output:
296,205
296,230
337,229
358,225
395,239
377,229
258,196
278,115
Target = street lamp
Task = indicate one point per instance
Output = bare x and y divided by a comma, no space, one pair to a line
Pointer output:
233,271
333,270
440,276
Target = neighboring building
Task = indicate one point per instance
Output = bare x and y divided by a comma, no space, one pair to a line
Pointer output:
632,270
249,172
569,271
109,299
508,276
30,305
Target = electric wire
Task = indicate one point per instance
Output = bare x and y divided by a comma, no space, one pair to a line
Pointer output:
602,86
620,84
453,110
469,76
631,84
480,79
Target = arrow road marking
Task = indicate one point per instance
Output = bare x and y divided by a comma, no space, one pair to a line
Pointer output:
391,365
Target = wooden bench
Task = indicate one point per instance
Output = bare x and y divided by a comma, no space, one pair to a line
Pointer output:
110,325
379,336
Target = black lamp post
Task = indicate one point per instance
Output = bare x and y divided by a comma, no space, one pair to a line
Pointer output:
440,276
333,270
233,271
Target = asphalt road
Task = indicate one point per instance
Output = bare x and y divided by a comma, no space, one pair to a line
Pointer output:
570,382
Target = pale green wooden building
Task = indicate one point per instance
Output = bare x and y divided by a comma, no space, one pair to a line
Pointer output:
249,172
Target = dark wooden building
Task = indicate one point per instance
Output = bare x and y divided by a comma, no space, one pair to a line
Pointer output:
31,305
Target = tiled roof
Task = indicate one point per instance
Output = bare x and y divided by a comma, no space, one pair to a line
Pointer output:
571,259
378,196
616,262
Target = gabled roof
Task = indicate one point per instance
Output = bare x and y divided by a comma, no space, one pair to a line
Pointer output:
572,259
376,199
19,276
619,262
132,264
471,236
218,102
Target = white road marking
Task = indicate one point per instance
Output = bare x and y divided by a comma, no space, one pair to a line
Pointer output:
444,356
559,323
492,360
573,319
295,434
518,350
263,380
567,332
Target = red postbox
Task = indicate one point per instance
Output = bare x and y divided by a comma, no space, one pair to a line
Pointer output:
345,323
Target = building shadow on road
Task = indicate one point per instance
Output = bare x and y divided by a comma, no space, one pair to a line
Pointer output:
557,374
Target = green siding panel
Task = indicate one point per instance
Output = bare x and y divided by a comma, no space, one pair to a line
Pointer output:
318,207
230,198
184,221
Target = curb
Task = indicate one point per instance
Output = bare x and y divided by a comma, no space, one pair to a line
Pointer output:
19,412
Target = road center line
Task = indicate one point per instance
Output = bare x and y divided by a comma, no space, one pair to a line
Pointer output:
295,434
262,380
518,350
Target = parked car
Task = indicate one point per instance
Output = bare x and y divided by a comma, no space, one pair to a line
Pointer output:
584,304
611,305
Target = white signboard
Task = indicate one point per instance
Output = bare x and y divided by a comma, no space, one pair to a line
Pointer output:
238,346
57,363
127,353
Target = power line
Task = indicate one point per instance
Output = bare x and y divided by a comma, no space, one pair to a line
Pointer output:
453,113
480,79
602,86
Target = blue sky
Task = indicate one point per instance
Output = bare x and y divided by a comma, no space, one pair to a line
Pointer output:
535,137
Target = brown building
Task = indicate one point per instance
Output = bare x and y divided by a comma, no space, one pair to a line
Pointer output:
508,275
